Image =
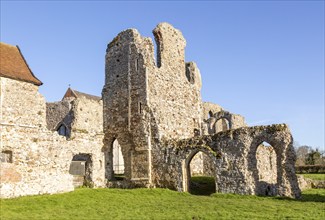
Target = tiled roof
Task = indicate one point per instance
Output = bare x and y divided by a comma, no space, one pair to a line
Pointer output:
13,65
73,93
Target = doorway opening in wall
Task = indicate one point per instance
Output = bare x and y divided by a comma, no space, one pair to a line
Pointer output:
266,164
118,161
81,168
222,124
201,175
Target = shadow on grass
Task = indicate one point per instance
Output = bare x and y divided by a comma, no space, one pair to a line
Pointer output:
306,197
313,198
202,185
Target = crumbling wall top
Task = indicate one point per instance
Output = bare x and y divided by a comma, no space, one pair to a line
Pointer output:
170,45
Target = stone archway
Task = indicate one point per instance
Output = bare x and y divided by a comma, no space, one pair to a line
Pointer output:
220,121
118,161
221,124
266,166
114,161
225,118
118,157
191,183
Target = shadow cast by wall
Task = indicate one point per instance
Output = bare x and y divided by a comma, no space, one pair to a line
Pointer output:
306,197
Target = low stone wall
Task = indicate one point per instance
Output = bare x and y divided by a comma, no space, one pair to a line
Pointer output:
306,183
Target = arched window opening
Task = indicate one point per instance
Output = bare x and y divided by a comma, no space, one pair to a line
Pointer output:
81,168
62,130
118,161
158,47
266,163
222,124
201,175
210,114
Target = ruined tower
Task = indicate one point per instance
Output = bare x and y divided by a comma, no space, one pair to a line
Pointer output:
153,109
147,101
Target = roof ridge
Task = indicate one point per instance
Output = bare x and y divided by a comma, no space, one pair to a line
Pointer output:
79,94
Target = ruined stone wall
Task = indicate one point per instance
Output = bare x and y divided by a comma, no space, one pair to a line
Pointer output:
196,165
56,112
238,121
208,166
87,136
234,154
34,168
174,87
222,121
40,163
145,102
87,115
90,144
40,158
21,103
127,117
266,164
209,109
202,165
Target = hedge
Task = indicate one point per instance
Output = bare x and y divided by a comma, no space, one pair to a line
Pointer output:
310,169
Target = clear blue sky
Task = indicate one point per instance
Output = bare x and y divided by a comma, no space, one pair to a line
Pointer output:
260,59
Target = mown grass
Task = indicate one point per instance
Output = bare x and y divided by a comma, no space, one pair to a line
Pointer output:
314,176
87,203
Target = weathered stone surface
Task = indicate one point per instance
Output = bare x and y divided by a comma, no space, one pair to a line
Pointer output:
234,153
153,110
57,112
41,158
306,183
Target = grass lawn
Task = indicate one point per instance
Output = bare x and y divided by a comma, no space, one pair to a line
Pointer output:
85,203
314,176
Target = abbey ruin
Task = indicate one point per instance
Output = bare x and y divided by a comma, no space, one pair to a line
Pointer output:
149,128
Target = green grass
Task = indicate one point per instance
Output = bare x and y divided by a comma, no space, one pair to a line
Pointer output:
314,176
85,203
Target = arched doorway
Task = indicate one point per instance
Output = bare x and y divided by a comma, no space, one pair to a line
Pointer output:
222,124
200,173
266,165
118,161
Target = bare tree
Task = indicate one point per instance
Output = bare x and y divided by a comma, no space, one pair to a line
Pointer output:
302,153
